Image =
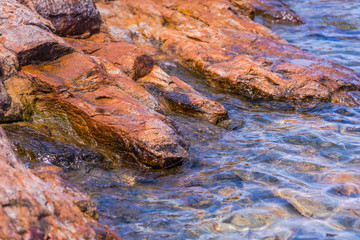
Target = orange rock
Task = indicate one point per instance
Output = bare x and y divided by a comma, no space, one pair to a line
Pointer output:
178,95
182,97
29,209
233,52
347,189
99,110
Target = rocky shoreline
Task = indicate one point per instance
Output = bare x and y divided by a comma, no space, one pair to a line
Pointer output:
85,76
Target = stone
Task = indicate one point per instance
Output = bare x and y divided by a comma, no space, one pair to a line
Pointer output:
30,209
346,190
309,205
231,51
31,44
33,145
69,17
276,11
178,95
16,14
99,112
181,97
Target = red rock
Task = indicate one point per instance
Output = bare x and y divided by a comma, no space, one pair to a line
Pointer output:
178,95
233,52
99,110
182,97
29,209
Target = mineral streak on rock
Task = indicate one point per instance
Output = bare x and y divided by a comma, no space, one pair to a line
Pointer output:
231,51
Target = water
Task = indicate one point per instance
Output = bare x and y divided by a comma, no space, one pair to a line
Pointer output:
279,172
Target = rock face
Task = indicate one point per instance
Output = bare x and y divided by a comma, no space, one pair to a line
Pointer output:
30,209
70,17
214,39
99,111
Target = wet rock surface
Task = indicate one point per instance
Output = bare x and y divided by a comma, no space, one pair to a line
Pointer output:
34,146
276,11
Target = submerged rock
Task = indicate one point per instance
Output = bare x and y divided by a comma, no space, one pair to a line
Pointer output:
276,11
309,205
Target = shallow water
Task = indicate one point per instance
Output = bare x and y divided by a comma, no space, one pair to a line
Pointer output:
276,172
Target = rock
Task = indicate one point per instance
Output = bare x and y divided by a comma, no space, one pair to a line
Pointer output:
181,97
16,14
246,7
34,146
99,112
29,209
346,190
178,95
32,44
56,177
309,205
9,64
231,51
69,17
250,219
276,11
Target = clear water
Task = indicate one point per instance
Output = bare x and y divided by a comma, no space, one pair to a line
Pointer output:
279,173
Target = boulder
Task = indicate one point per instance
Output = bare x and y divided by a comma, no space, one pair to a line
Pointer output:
97,110
30,209
276,11
69,17
32,44
231,51
16,14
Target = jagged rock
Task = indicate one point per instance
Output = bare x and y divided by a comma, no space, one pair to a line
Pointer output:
77,87
29,209
276,11
32,44
178,95
69,17
16,14
182,97
234,53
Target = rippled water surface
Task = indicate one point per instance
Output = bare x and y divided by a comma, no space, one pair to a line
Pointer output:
274,173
